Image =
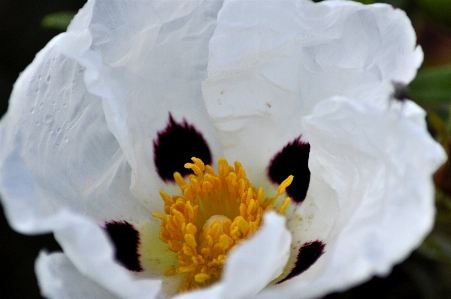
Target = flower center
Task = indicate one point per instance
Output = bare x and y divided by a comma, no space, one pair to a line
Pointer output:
215,213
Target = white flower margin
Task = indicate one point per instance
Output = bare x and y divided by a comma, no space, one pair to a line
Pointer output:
77,141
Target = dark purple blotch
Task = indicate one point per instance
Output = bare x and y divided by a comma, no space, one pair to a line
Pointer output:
126,240
175,146
308,254
292,160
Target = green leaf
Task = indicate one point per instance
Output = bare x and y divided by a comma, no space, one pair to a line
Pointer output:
432,86
58,20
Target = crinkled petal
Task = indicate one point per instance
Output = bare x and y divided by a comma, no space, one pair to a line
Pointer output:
146,70
57,150
271,62
58,278
252,265
377,203
62,170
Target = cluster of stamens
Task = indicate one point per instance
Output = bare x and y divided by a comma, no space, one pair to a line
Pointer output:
215,213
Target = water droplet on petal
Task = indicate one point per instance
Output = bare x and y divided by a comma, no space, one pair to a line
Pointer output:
32,110
48,78
58,130
48,118
64,105
37,123
66,139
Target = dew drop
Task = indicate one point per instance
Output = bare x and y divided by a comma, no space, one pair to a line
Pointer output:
41,104
37,90
32,110
64,105
58,130
37,123
48,118
66,139
48,78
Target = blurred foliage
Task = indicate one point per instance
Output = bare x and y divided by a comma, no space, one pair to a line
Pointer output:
439,129
58,20
432,90
437,245
432,86
437,10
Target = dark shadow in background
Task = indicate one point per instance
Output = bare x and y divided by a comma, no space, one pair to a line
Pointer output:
21,37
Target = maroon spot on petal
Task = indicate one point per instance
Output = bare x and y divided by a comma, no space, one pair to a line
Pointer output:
175,146
126,240
308,254
292,160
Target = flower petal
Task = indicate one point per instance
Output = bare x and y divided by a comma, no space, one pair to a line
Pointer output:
253,264
271,62
150,68
44,163
375,206
62,170
58,278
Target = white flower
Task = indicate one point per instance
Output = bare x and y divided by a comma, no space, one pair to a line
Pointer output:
101,119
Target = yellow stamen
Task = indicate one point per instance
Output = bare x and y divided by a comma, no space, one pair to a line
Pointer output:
216,212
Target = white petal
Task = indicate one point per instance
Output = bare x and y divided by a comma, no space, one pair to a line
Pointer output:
271,62
89,249
146,68
372,194
71,187
58,278
252,265
55,140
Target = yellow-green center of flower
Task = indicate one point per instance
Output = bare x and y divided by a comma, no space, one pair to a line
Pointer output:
215,213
